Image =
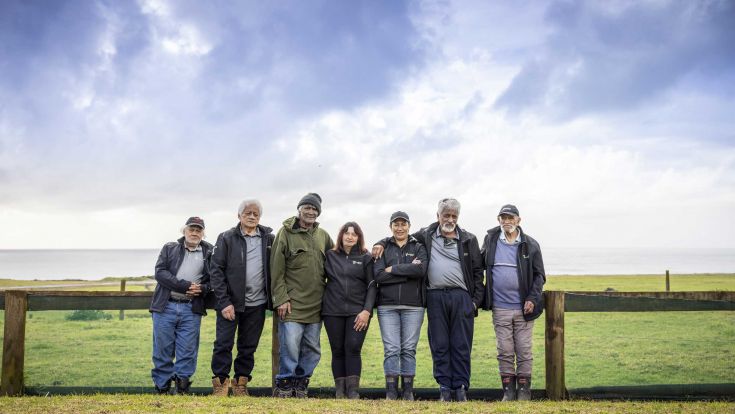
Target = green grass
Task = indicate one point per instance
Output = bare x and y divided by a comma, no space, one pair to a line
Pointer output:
151,403
601,348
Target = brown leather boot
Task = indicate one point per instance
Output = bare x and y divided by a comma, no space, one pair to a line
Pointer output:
220,388
240,387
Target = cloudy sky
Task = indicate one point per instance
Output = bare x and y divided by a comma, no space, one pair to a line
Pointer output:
607,123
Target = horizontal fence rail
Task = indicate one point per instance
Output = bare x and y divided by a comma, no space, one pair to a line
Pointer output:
16,303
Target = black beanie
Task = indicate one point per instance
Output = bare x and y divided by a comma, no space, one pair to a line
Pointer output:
311,199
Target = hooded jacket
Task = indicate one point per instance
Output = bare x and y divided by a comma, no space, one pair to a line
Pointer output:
167,265
297,270
531,274
228,268
350,285
405,283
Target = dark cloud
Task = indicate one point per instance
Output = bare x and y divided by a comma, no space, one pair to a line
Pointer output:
598,59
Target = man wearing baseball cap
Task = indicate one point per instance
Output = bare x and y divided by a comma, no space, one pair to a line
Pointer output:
513,290
177,307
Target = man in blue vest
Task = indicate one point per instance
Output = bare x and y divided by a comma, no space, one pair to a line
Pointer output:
515,277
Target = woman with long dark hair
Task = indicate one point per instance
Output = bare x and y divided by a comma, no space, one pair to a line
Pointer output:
347,306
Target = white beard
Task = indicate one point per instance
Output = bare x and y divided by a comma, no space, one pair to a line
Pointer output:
448,227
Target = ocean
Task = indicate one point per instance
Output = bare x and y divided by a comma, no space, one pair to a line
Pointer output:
96,264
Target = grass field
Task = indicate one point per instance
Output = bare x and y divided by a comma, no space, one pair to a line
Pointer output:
602,348
194,405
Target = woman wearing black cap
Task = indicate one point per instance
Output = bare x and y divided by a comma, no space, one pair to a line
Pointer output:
347,306
400,275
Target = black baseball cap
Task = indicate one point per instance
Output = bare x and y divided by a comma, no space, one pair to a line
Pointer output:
509,209
399,215
195,221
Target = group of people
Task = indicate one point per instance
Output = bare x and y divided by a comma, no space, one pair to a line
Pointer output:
307,280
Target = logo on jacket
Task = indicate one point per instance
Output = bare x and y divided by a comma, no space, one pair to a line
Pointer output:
355,262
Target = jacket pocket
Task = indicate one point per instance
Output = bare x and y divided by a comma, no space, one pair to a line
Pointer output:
297,258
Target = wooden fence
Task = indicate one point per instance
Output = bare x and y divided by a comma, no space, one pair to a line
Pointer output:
17,302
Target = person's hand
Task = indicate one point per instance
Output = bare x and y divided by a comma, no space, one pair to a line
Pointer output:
284,310
229,313
416,261
377,251
195,289
361,321
527,307
389,269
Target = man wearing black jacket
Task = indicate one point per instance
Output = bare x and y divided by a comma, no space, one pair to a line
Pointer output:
455,291
515,280
240,274
177,307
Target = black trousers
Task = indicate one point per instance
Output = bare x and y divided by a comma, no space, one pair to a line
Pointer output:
451,317
249,326
346,345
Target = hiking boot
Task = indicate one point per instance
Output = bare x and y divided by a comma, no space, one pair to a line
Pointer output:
240,387
220,387
445,394
182,386
301,389
509,387
391,387
407,387
352,385
283,388
524,388
339,388
165,389
460,394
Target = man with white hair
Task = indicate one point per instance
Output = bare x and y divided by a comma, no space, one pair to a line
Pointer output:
177,307
515,281
241,284
455,291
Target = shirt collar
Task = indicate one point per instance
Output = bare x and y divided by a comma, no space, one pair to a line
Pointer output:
257,232
197,249
502,237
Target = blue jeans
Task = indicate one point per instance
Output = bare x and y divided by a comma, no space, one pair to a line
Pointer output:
175,335
400,329
299,351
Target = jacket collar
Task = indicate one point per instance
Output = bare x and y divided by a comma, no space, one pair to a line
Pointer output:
431,230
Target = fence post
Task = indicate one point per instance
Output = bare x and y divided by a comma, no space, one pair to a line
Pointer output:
16,305
668,286
275,345
122,289
554,341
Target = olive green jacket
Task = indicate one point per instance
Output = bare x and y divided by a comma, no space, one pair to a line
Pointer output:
297,270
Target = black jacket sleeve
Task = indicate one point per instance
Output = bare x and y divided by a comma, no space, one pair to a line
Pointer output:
385,278
164,275
539,276
218,262
372,286
410,270
478,272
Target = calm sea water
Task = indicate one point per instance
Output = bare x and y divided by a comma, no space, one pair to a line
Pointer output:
96,264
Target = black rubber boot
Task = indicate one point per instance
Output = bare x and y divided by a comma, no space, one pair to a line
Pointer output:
509,387
524,388
339,388
352,387
391,387
407,387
